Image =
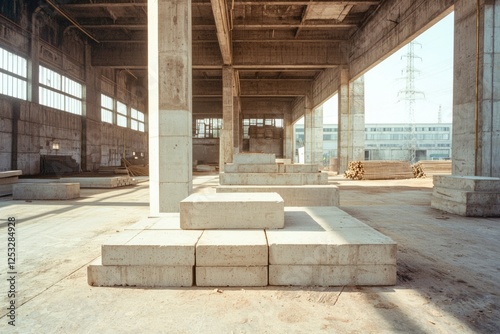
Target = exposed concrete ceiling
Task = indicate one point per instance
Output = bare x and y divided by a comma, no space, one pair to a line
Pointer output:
278,47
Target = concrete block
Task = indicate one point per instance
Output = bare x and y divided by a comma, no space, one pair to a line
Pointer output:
165,221
298,195
10,173
328,236
251,168
45,191
141,276
232,211
254,158
152,248
232,276
488,209
467,183
232,248
302,168
273,178
331,275
283,161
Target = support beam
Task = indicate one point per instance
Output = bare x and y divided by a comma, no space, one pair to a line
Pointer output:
221,17
313,132
245,55
170,103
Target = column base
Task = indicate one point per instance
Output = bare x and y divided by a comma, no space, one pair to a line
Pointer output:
470,196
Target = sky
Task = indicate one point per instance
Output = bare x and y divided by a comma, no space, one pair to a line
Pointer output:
434,79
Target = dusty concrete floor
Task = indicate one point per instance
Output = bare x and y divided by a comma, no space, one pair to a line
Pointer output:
448,272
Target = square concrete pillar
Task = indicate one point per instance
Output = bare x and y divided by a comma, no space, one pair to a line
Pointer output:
476,90
351,120
226,146
313,133
170,103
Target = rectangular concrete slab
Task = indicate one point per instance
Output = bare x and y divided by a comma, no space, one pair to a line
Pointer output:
165,221
140,276
232,276
302,168
254,158
232,211
467,183
232,248
11,173
152,248
302,195
250,168
328,236
331,275
273,178
45,191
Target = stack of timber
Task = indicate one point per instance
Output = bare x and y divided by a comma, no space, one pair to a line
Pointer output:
379,170
136,170
418,170
436,166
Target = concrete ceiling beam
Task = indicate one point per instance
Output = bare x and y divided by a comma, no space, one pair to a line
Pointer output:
221,17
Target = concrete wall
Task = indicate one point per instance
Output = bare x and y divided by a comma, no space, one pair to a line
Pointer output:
206,151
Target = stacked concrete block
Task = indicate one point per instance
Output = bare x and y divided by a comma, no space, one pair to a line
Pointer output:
232,211
299,195
7,180
232,258
262,169
45,191
156,258
325,246
472,196
102,182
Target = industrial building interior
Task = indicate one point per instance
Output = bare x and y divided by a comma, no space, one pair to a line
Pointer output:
88,85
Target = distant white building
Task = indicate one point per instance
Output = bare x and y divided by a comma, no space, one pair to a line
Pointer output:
391,141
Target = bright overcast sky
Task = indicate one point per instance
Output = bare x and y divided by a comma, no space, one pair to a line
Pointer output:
434,79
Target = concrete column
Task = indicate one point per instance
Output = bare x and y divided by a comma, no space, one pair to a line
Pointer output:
351,120
476,90
226,138
170,103
288,137
237,125
313,133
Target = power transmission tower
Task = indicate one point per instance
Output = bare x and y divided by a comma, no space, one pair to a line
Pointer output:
440,115
410,96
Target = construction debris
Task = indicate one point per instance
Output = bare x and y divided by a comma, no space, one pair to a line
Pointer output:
379,170
136,170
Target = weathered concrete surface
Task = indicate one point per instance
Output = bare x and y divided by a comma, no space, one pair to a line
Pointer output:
151,248
140,276
273,178
7,180
442,286
251,168
47,191
473,196
303,195
232,248
229,211
254,158
232,276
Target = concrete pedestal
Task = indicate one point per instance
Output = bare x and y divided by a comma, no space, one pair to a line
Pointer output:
7,180
46,191
471,196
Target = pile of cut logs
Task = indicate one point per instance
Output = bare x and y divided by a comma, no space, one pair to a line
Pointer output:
418,170
436,166
379,170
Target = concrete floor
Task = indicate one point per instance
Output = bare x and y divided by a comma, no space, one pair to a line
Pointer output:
448,272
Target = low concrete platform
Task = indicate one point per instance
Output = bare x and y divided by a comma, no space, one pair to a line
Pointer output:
7,180
318,246
273,178
92,182
471,196
45,191
232,211
302,195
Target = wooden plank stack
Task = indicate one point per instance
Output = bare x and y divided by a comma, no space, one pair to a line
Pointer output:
432,167
379,170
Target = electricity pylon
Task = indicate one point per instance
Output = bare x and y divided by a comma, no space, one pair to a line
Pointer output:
410,96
